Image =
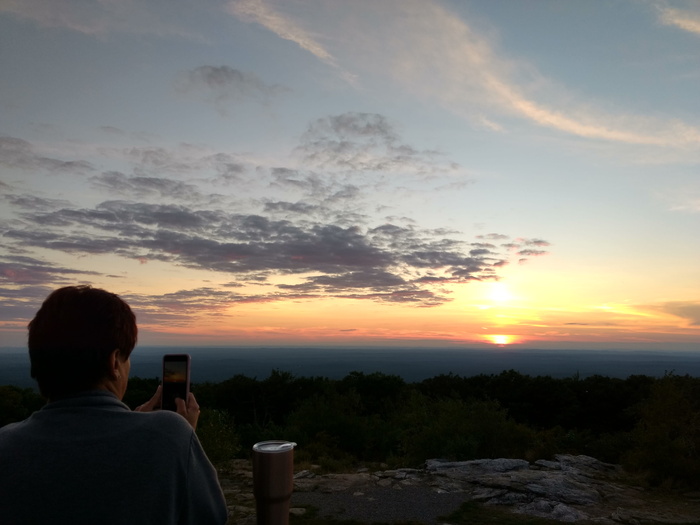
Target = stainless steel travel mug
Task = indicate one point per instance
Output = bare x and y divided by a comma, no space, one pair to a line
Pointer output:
273,481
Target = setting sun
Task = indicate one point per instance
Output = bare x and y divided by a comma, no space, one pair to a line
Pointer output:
500,339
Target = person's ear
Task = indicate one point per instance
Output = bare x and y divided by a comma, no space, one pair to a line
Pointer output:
114,367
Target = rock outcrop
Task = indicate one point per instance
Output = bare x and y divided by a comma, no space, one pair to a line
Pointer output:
563,489
568,489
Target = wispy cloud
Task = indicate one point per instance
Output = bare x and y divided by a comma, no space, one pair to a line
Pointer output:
681,18
466,71
687,310
19,269
100,18
119,184
180,307
364,142
686,200
183,160
31,202
286,27
469,74
18,153
282,25
691,204
224,85
25,281
89,19
525,248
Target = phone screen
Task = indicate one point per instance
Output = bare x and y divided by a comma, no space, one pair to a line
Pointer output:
176,379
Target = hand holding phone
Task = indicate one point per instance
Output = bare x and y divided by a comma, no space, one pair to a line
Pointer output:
176,380
189,409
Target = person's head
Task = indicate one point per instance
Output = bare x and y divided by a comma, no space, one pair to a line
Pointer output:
75,337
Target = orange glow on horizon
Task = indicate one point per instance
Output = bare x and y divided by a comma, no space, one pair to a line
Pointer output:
330,321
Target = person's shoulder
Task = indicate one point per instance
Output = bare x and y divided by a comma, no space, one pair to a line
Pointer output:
165,422
12,433
163,433
10,428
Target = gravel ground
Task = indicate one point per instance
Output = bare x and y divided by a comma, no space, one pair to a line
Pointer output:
385,504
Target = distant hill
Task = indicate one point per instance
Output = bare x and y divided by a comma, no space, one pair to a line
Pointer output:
412,364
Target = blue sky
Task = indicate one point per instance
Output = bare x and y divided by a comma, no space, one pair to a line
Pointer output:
329,172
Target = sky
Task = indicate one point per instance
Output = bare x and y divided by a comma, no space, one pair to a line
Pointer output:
449,173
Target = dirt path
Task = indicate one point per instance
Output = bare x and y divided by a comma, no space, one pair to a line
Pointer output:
383,504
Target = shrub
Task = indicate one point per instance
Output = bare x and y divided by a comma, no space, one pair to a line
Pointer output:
460,430
666,441
17,403
217,434
337,421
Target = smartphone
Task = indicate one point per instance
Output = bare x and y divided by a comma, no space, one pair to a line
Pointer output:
176,379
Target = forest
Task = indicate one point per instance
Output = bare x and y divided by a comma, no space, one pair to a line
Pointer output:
649,425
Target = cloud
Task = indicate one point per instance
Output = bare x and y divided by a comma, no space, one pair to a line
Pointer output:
492,237
324,190
179,308
683,198
688,310
296,208
59,13
180,173
296,234
23,270
111,130
682,19
19,304
592,324
302,233
102,17
119,184
525,247
532,253
182,159
470,69
372,278
466,71
224,85
384,263
533,242
283,26
32,202
688,203
363,142
20,154
188,161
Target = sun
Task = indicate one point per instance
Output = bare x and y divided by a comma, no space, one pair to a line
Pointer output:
499,293
500,340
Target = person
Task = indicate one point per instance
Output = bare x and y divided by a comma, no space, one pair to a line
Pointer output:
85,457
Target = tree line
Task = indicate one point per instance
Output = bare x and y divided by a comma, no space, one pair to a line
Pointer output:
650,425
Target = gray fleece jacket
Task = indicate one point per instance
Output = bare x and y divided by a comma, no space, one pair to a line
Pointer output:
88,459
